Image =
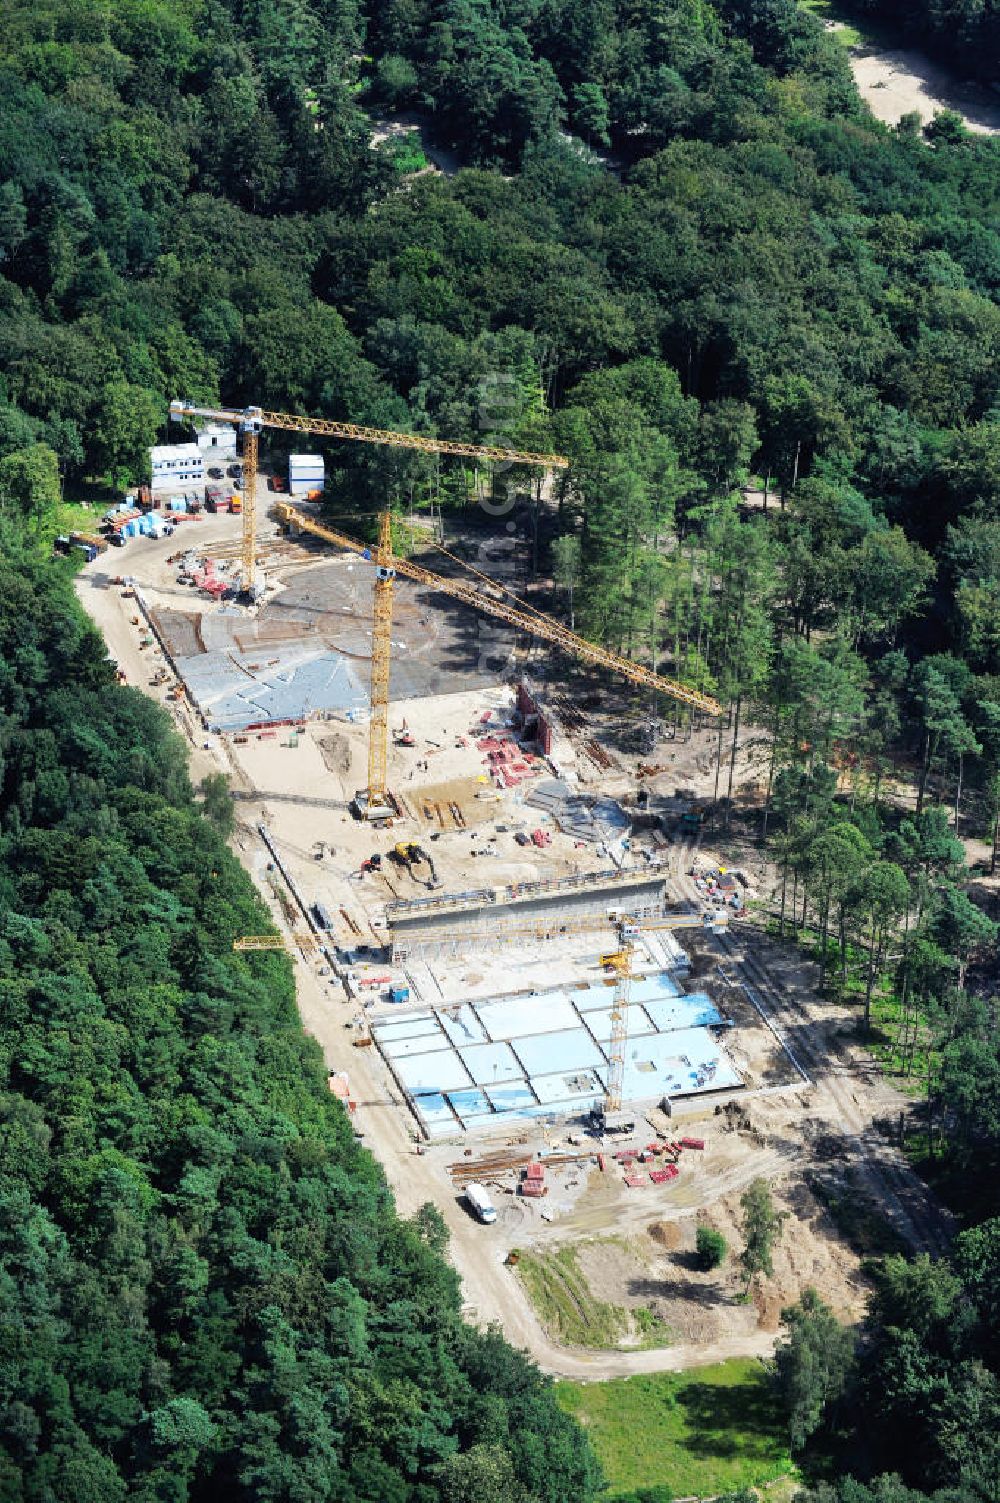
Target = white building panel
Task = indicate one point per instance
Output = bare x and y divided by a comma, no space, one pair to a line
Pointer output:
305,473
172,464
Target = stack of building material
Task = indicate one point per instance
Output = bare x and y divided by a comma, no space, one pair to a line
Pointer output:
533,1184
662,1176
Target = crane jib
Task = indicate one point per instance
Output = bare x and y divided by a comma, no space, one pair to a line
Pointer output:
535,625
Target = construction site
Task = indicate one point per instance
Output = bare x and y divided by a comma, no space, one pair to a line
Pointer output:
527,969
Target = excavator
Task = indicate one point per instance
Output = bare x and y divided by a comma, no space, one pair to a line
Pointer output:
408,854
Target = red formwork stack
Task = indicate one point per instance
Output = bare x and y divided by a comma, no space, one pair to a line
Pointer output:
533,1184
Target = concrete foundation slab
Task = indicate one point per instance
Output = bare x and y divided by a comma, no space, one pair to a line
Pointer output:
424,1043
598,1020
668,1013
463,1026
409,1028
434,1073
517,1097
470,1105
576,1091
515,1017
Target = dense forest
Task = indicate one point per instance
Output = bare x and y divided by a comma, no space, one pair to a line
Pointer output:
685,255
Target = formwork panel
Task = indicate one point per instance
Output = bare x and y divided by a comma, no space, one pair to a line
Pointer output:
470,1105
424,1043
438,1118
430,1074
672,1013
463,1026
681,1063
577,1091
517,1096
570,1050
598,1020
515,1017
489,1064
591,998
406,1028
658,984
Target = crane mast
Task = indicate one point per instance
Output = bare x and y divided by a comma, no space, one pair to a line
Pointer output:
493,604
376,794
373,802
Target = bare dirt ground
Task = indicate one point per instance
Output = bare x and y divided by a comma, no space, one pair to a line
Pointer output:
657,1270
834,1099
900,82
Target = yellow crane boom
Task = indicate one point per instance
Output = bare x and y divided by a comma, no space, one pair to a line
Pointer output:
494,605
250,422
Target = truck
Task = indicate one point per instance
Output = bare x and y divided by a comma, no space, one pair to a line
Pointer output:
478,1198
89,543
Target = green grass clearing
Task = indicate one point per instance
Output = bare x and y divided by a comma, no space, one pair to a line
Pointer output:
567,1308
73,516
847,33
707,1431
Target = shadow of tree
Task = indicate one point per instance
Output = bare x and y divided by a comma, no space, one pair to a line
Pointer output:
704,1295
739,1421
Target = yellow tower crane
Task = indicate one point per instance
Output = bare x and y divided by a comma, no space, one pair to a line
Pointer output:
251,421
489,599
372,802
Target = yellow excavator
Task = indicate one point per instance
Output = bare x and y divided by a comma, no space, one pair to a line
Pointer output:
408,854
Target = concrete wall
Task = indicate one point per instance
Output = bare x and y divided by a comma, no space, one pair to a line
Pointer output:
627,895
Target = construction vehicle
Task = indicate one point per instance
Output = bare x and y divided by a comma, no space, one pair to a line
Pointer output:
407,853
478,1198
372,802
